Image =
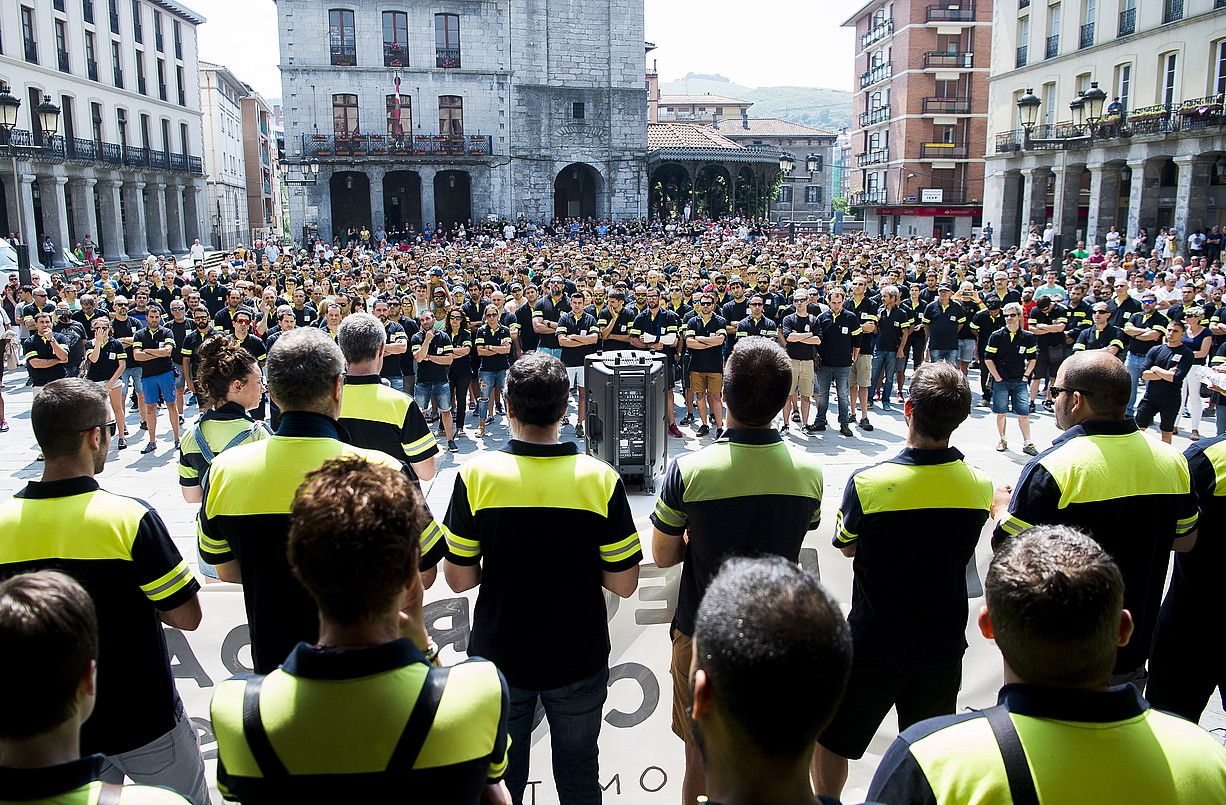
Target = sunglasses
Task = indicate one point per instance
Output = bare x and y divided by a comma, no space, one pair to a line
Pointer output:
1056,391
111,427
1011,315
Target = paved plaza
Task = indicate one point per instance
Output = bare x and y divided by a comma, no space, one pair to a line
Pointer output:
154,479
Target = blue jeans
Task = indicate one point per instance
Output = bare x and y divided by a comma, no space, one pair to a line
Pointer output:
396,382
171,761
1220,412
439,393
947,355
840,375
574,714
884,365
1135,364
1013,394
489,381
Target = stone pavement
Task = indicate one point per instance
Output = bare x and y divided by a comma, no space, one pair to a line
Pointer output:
154,479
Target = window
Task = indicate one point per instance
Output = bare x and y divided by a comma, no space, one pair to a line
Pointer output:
121,121
399,119
813,194
61,44
785,194
183,138
178,29
1049,103
117,64
144,131
1053,31
447,40
1123,84
1023,41
1219,69
95,117
161,75
395,38
450,115
91,56
166,135
138,32
140,72
577,110
157,34
344,114
179,85
27,34
1169,65
342,37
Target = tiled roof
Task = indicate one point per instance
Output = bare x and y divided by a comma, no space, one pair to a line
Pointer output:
685,135
770,127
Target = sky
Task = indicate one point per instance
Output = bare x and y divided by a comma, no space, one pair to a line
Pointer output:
786,43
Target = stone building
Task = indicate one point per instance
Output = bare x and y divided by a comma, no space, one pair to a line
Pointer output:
262,171
922,103
1149,152
125,166
419,115
805,194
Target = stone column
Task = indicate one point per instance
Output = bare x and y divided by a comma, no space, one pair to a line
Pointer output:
194,208
30,235
1009,227
1104,201
1191,196
111,237
155,214
375,177
427,197
1064,203
11,194
174,220
1143,199
55,217
1034,199
84,213
134,227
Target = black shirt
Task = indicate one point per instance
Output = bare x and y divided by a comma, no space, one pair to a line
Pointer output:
461,369
708,360
37,346
840,334
393,364
1180,359
74,338
487,337
943,324
109,357
529,339
892,325
799,324
1153,321
214,297
154,339
568,324
429,371
550,309
1011,352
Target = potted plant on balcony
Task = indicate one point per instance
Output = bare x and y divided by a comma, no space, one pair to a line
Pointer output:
1147,113
1201,108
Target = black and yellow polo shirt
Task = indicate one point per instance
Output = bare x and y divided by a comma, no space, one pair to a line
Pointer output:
119,550
1083,748
915,521
345,726
219,427
1011,352
1132,494
74,783
248,493
39,346
746,494
379,417
544,521
1093,338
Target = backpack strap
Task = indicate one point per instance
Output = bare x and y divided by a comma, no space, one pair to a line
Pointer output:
266,759
203,445
109,794
417,729
1017,767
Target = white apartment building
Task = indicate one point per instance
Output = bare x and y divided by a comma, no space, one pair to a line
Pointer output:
125,165
1151,155
221,94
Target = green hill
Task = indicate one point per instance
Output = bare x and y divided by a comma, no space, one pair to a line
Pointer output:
811,106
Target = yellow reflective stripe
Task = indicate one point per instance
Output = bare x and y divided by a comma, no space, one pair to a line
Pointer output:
840,531
668,515
462,546
430,536
1186,524
1013,526
622,549
210,545
169,584
419,446
498,769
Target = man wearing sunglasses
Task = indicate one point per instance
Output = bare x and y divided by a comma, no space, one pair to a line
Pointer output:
1010,357
1101,334
1144,330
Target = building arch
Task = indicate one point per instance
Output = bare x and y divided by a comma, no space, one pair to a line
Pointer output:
453,197
350,195
578,190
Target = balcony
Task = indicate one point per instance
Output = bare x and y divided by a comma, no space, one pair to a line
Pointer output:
31,49
860,198
114,20
948,61
874,116
1087,36
1172,10
1053,47
447,58
1160,120
877,33
343,56
950,13
1022,52
879,73
61,59
876,156
91,69
380,146
937,151
1008,142
87,11
58,149
1128,22
395,54
947,106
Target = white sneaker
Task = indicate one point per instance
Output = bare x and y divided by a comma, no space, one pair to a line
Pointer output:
1002,446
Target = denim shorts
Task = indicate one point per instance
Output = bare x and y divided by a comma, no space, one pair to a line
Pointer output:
131,374
947,355
439,393
1013,394
159,388
966,350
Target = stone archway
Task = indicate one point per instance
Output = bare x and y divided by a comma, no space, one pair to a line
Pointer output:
453,197
402,201
669,191
349,192
575,191
713,190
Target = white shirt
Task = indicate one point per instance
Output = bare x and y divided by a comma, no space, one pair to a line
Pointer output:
197,251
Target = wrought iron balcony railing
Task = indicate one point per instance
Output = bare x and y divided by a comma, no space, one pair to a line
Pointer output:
381,146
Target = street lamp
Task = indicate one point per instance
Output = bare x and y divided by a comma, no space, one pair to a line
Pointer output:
1077,107
786,166
1094,99
811,163
313,165
49,122
1028,106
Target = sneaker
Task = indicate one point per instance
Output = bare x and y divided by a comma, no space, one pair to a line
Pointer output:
1187,413
1049,405
144,425
579,429
180,419
122,444
134,406
191,399
985,402
4,426
149,448
783,428
501,410
452,446
176,444
675,432
710,419
688,420
40,457
1030,449
795,416
865,424
818,427
1194,436
489,420
885,406
1002,446
702,431
845,430
810,429
719,433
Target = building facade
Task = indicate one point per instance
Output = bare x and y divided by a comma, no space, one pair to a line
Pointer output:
125,165
921,115
699,108
805,194
420,116
221,96
1152,155
263,173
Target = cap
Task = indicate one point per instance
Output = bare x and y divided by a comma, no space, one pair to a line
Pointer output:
945,286
436,272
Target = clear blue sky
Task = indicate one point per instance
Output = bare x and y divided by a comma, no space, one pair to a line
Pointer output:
769,43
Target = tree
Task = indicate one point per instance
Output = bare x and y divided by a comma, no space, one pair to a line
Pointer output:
839,205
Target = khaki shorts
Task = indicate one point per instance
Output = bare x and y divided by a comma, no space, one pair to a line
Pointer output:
861,371
802,378
706,382
683,696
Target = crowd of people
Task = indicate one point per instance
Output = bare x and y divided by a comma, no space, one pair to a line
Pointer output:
353,353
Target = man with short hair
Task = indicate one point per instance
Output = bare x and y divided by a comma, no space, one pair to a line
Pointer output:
1166,367
537,580
943,319
839,331
49,621
656,329
432,354
894,324
248,491
1056,608
908,608
1101,334
800,340
705,333
765,619
705,513
1131,494
1144,330
46,353
119,550
578,334
1009,358
439,736
152,348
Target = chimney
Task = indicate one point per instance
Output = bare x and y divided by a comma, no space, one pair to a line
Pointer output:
715,120
745,118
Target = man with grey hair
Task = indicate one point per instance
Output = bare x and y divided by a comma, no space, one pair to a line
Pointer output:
248,491
894,324
377,416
